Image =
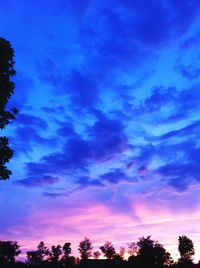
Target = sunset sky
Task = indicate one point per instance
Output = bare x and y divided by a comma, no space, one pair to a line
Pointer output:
107,139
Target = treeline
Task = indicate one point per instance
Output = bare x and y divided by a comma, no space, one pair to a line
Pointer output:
146,253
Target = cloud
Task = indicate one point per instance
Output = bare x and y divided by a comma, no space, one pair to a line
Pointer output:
82,89
53,195
89,182
108,137
159,97
23,85
172,104
182,168
114,176
31,120
53,110
66,130
190,130
180,175
26,137
37,181
183,15
152,28
189,72
73,156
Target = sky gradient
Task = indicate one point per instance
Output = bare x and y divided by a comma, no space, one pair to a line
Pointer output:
107,137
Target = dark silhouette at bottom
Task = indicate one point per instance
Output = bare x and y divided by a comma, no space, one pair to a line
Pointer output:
146,253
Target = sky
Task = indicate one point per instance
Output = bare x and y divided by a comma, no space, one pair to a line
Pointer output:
107,137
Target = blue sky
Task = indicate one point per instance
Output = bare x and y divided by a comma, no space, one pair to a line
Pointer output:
108,98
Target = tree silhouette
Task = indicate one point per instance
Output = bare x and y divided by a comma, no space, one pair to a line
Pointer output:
67,250
66,258
8,252
108,250
119,257
85,249
7,71
162,257
33,258
55,254
146,253
42,250
122,252
132,249
38,256
151,253
186,249
96,255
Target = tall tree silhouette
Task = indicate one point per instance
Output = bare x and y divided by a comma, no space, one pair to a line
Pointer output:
55,254
85,249
66,258
151,253
37,257
8,252
186,249
122,251
67,250
108,250
7,71
33,258
132,249
43,250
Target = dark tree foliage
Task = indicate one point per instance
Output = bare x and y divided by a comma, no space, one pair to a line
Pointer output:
9,250
37,257
7,71
162,257
117,258
67,250
85,249
55,254
96,255
42,250
108,250
5,154
33,258
132,249
186,249
151,253
146,253
122,251
66,258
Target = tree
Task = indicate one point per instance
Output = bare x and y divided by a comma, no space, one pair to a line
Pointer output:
55,254
151,253
122,252
132,249
33,258
67,259
67,250
38,256
119,257
186,249
85,249
161,256
145,251
7,71
96,255
42,250
5,154
9,250
108,250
